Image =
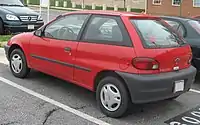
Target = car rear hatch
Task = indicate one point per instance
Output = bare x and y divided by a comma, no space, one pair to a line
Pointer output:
162,49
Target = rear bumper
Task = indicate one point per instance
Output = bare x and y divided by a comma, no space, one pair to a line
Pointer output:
196,63
15,27
6,48
150,88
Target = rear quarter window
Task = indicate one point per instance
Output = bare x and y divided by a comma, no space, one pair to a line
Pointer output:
155,34
195,25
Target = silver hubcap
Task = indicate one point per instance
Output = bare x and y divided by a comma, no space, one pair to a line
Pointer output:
16,63
110,97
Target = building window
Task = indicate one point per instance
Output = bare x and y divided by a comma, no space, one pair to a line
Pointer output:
176,2
196,3
157,2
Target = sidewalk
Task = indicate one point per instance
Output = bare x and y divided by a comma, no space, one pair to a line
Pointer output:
3,57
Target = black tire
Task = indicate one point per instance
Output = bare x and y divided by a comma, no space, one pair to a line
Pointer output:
1,27
25,70
125,98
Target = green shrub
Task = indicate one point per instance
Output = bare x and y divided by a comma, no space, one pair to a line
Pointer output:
78,6
88,7
110,8
69,4
52,2
99,8
34,2
121,9
137,10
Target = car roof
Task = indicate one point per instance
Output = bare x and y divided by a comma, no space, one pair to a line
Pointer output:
111,12
178,18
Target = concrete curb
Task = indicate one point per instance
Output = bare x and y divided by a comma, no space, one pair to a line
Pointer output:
2,44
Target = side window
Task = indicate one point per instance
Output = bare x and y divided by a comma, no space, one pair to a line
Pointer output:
106,30
173,24
181,30
65,28
177,26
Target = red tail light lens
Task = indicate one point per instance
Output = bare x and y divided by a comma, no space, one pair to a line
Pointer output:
190,59
145,63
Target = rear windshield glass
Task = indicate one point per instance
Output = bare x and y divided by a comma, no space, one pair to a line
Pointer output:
155,34
195,25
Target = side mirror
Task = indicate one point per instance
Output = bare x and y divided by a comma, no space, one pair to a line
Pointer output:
38,33
59,16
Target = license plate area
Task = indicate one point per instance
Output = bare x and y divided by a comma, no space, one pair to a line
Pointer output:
179,86
31,27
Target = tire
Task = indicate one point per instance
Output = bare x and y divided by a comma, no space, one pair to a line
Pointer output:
125,98
24,68
1,27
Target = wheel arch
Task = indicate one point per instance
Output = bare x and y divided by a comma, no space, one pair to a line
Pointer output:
14,46
102,74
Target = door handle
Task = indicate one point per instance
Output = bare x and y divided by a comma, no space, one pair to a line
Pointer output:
67,49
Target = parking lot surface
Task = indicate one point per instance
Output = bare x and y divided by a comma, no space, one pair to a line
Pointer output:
19,107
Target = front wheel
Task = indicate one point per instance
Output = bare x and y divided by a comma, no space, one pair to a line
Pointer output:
18,64
112,97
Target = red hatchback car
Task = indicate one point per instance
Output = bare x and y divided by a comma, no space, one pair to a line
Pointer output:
123,57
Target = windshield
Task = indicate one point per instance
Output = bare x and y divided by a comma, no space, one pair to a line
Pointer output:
156,34
11,2
195,25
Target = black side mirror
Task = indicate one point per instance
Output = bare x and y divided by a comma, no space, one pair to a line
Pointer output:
38,33
59,16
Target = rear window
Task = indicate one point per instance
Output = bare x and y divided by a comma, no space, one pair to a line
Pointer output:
155,34
195,25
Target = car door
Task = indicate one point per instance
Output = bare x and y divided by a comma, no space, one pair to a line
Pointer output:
63,43
105,44
39,53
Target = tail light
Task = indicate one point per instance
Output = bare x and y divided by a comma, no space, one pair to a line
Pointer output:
190,59
145,63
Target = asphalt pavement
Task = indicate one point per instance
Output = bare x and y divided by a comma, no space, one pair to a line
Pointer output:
41,99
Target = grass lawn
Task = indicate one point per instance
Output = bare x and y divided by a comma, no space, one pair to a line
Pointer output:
5,38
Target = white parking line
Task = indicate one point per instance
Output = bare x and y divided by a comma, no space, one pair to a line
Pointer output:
193,90
65,107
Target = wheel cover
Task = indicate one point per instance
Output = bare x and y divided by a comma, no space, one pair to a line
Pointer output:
110,97
16,63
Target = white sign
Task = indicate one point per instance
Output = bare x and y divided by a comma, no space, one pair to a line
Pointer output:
44,3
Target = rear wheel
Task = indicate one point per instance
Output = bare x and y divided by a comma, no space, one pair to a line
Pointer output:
18,64
1,27
112,97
